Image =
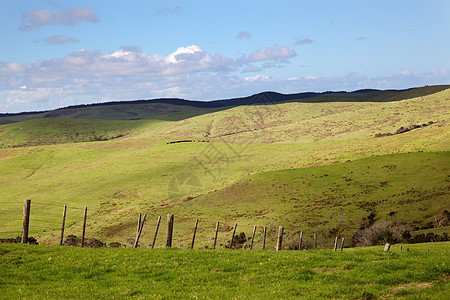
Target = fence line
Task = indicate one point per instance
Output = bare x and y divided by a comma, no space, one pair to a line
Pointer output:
231,241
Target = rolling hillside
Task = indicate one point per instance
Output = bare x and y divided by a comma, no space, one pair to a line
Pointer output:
259,165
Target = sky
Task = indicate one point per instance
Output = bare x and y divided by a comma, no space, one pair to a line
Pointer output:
59,53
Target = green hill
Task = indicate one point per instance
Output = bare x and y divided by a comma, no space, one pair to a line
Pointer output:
59,131
120,168
411,188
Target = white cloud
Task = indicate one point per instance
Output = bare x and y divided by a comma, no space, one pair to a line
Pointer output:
271,53
166,11
68,16
58,40
244,35
257,78
303,42
11,68
405,73
250,69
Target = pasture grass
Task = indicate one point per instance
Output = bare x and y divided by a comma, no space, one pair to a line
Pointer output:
120,178
50,272
61,131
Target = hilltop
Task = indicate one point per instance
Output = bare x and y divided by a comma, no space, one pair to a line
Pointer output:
138,109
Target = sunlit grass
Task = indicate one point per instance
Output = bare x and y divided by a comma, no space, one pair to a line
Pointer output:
69,272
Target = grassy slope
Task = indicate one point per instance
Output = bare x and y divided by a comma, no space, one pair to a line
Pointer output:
58,131
316,200
90,123
310,122
118,179
51,272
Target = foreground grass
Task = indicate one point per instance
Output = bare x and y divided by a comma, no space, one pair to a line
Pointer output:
67,272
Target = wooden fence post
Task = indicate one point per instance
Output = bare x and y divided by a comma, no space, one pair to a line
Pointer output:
215,235
264,238
193,236
300,241
84,226
62,226
280,238
253,237
335,243
156,231
26,220
169,230
342,243
232,235
315,241
141,226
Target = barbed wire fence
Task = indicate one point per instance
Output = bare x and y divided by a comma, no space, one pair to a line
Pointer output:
45,218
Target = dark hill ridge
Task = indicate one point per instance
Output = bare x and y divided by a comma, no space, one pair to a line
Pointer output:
364,95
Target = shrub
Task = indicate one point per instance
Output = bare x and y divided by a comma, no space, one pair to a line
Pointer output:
238,241
379,234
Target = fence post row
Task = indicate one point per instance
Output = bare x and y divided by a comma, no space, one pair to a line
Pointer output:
169,231
26,220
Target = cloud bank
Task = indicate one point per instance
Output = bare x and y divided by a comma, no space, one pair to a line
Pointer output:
189,72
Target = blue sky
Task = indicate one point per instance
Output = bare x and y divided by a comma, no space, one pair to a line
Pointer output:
60,53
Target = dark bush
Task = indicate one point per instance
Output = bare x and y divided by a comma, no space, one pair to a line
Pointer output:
18,239
115,245
238,241
428,238
72,240
367,222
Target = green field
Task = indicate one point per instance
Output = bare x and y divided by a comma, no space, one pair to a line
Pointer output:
312,167
53,272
